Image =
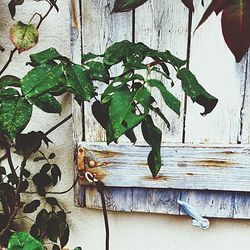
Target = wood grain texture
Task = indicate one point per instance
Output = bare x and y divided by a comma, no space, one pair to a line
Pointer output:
163,25
184,166
76,52
215,67
100,30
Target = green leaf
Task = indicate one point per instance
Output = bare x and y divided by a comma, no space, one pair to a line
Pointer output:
170,100
32,206
194,90
78,248
42,79
122,113
88,56
45,56
117,52
12,6
15,115
111,89
98,71
161,115
79,83
24,36
8,80
153,137
47,103
8,93
23,241
127,5
173,60
138,53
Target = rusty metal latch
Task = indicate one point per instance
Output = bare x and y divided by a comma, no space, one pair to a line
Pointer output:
87,163
197,219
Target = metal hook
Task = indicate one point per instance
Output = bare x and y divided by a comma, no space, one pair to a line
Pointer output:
198,220
90,177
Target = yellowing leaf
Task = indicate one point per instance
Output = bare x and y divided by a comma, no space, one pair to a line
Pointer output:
24,36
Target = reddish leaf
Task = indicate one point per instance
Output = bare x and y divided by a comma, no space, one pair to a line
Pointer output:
215,5
236,27
189,4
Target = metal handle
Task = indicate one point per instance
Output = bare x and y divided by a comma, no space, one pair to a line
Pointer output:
198,220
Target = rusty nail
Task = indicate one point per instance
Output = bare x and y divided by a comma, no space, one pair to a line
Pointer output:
92,163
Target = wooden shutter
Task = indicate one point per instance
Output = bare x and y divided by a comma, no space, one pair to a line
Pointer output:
205,159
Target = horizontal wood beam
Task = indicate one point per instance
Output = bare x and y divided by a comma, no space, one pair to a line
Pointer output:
185,166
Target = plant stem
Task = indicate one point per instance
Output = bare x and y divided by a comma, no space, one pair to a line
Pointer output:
62,192
9,61
58,125
42,18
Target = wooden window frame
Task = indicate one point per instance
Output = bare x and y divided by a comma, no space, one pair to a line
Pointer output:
213,178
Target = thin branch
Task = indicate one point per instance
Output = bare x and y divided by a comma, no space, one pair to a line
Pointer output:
12,52
42,18
58,125
62,192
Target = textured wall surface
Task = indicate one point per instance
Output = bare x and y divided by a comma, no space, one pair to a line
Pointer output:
129,231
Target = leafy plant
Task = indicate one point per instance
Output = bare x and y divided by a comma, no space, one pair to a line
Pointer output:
125,103
235,20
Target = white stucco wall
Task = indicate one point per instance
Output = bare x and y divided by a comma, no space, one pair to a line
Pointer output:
129,231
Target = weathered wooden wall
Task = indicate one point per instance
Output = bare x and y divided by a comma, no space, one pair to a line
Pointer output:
167,24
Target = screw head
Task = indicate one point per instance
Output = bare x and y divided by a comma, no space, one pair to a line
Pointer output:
92,163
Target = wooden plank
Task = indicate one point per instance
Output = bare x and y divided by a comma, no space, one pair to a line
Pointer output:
215,67
150,200
117,199
184,166
163,25
100,30
76,51
211,203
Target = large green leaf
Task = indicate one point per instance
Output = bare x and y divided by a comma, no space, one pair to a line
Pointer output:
117,52
9,80
194,90
79,83
47,103
171,101
167,56
45,56
152,136
24,36
101,114
42,79
98,71
10,92
127,5
122,111
15,115
23,241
